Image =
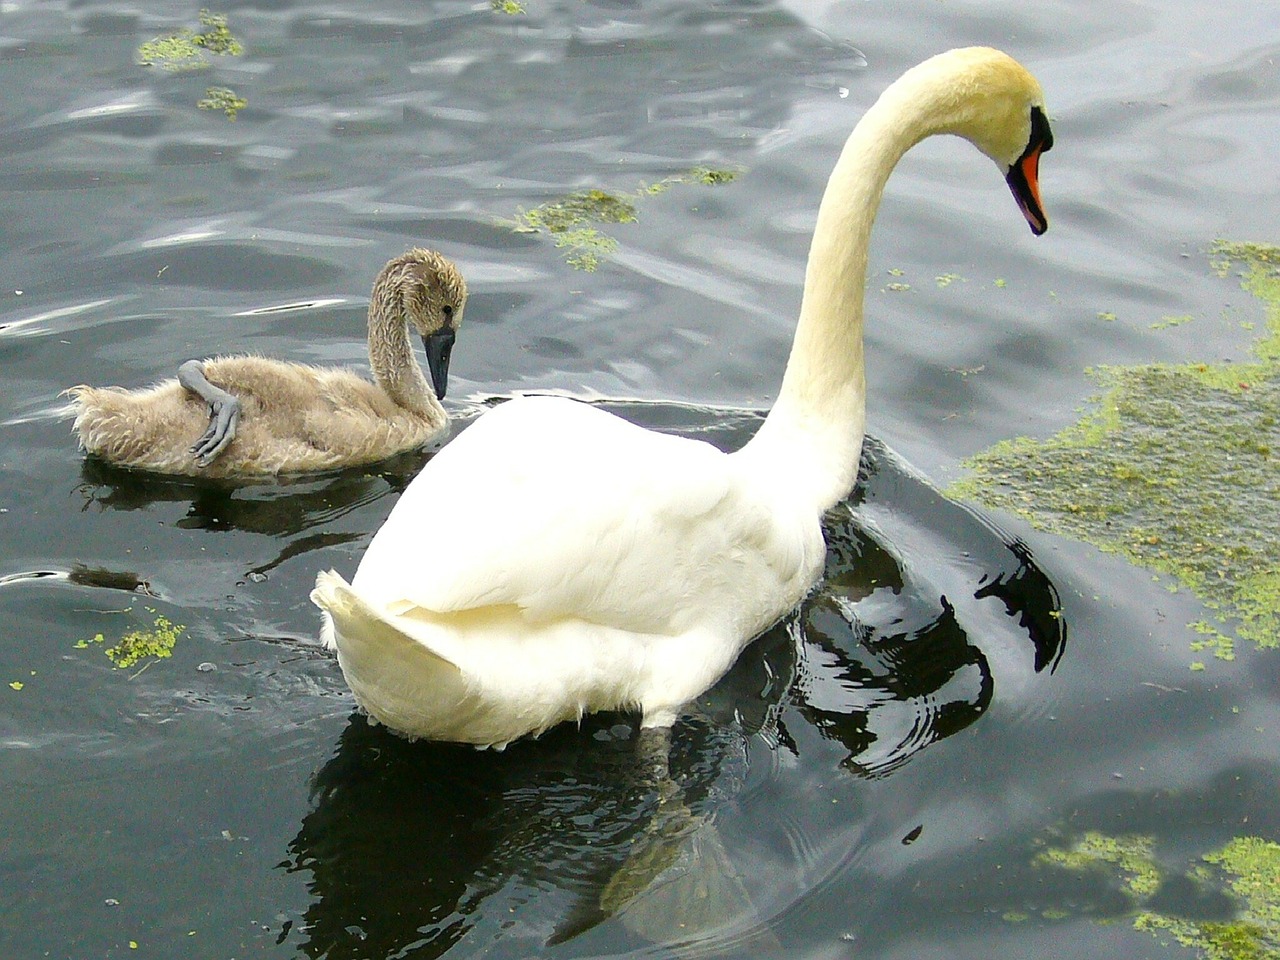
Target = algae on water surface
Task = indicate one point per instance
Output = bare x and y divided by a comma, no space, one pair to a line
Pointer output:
186,49
1246,870
154,644
567,220
1177,468
224,99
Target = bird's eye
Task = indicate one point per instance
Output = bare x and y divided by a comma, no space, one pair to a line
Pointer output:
447,310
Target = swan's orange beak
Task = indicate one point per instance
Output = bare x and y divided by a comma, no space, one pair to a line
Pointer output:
1024,175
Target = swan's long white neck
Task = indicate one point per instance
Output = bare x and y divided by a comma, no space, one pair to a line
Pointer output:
391,357
812,438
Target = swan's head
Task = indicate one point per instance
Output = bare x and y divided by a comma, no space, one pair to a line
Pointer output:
992,101
427,290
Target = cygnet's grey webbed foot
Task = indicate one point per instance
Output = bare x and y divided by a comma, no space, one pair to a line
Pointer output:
224,412
223,418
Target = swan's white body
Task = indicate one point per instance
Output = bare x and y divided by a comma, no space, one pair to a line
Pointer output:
555,560
612,581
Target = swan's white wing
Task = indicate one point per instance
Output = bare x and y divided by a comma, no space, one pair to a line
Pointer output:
564,510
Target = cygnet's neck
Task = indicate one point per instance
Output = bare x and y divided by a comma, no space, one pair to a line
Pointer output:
395,368
812,438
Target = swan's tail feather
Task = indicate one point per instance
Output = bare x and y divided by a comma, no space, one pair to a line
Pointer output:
85,405
149,429
394,675
354,627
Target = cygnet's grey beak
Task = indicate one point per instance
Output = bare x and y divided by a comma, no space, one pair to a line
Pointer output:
439,346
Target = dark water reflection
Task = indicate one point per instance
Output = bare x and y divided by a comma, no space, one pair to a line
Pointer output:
281,508
919,676
405,842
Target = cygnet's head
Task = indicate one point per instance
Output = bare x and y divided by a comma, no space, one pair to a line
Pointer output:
428,291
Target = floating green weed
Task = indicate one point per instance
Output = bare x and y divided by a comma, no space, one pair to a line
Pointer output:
175,53
1175,468
1130,855
224,99
157,643
216,38
1164,323
564,221
709,176
510,7
187,49
1253,865
568,220
1247,869
590,206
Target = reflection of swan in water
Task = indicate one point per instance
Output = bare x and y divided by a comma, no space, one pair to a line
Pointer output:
287,506
299,512
406,843
921,669
579,563
266,417
570,838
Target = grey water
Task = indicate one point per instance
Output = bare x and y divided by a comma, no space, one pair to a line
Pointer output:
877,774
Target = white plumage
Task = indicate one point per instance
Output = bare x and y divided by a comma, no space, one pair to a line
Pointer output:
555,560
635,528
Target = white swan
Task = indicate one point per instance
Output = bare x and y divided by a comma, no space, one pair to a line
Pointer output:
264,417
555,560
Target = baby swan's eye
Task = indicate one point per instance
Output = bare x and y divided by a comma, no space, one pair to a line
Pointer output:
447,310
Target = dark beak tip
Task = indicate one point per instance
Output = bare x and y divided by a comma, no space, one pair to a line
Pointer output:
439,346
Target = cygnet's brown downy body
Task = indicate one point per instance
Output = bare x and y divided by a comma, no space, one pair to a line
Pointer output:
252,416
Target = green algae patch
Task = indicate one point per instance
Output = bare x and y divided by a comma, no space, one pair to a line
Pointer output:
1130,856
1175,467
215,37
511,8
567,221
224,99
156,643
570,220
590,206
1247,870
1253,866
175,53
188,49
710,176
